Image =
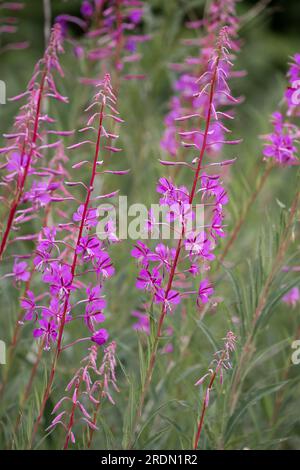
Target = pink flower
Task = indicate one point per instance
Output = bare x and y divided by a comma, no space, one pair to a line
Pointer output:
292,298
205,291
20,271
28,304
91,219
100,337
173,298
143,323
47,330
147,280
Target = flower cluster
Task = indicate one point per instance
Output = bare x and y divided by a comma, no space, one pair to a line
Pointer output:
292,94
88,386
188,100
110,29
29,142
164,266
68,251
281,143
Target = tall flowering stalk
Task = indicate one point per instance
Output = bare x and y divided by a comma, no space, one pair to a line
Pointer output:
280,146
27,143
220,363
85,251
249,345
90,384
186,99
45,195
111,37
164,268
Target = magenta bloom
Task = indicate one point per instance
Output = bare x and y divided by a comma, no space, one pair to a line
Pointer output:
100,337
280,144
205,291
141,253
147,280
47,330
90,248
90,219
86,9
60,279
20,271
143,323
173,298
292,298
29,305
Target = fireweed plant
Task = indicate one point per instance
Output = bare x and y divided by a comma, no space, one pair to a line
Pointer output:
28,142
165,268
70,341
111,38
43,195
89,386
87,255
281,146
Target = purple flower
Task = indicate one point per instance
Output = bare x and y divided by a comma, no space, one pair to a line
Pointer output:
104,266
173,298
168,190
90,248
20,271
135,16
163,255
90,218
292,298
16,164
205,291
28,304
93,311
143,323
199,245
86,9
60,279
110,231
141,252
100,337
147,280
280,145
47,330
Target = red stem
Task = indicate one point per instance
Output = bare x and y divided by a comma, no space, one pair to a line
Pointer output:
15,203
150,369
204,405
71,420
73,268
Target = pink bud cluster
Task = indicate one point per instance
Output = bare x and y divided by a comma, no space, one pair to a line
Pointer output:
220,363
165,267
28,143
88,387
72,259
281,145
110,30
187,99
